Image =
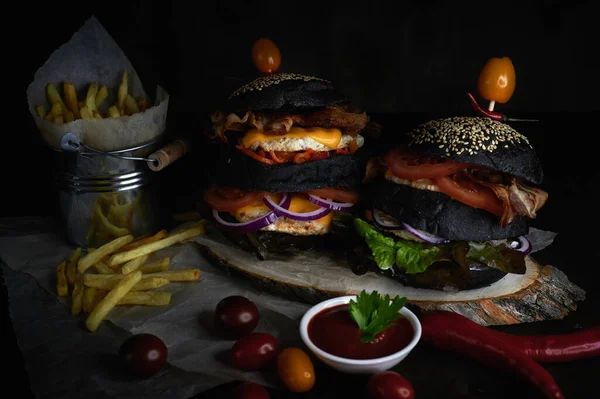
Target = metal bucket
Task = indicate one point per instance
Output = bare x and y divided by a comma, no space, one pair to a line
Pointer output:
105,195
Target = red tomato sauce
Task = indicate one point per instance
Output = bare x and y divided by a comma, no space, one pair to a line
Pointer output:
333,331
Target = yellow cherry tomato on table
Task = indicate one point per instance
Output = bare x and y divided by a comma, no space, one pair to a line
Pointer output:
497,80
266,55
296,370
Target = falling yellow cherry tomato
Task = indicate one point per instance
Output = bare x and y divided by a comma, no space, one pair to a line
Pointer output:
497,80
266,55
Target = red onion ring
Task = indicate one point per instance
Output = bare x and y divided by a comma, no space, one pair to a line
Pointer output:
304,217
251,225
425,236
382,223
329,204
524,244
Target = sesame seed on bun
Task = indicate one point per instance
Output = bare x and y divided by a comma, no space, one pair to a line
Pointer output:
284,92
480,141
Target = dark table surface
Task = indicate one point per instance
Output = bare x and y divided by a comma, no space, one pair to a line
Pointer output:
567,146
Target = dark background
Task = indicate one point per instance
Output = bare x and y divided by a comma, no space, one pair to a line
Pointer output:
403,62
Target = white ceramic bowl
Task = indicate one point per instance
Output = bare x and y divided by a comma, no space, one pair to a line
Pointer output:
357,366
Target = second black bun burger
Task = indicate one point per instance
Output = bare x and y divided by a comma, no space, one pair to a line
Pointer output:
450,208
290,159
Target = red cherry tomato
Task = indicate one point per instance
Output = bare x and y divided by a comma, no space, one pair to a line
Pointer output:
254,351
145,354
236,316
250,390
389,385
266,55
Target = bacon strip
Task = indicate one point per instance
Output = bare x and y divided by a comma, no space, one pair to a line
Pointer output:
517,198
337,116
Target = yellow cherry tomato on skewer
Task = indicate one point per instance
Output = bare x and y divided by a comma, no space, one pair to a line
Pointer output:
266,55
497,81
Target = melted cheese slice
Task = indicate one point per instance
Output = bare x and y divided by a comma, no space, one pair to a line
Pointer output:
328,137
298,204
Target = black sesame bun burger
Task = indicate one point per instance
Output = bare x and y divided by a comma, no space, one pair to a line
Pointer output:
450,207
289,162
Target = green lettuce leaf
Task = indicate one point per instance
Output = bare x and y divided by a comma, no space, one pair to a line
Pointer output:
415,257
383,247
501,257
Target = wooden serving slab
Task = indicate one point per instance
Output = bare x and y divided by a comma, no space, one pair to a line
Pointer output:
542,293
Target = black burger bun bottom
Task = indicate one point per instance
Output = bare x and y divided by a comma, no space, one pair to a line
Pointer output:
480,141
439,214
235,169
284,92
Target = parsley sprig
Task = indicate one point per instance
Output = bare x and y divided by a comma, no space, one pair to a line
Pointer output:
374,313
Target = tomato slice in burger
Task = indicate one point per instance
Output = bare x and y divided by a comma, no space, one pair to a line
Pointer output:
230,199
335,194
414,166
470,193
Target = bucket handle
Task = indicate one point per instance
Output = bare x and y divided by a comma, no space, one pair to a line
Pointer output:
156,161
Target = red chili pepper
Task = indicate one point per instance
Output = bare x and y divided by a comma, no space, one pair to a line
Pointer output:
446,333
544,348
495,115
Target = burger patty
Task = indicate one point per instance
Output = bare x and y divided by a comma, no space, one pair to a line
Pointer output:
303,144
439,214
235,169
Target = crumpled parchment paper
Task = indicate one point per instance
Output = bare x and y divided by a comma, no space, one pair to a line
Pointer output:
66,360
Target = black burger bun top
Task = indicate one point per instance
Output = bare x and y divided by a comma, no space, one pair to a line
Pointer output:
280,92
481,141
439,214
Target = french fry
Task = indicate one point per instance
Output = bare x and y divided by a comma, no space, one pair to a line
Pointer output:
40,110
57,109
122,93
59,120
147,240
85,112
115,231
101,96
62,289
157,298
100,294
89,294
183,235
90,99
113,112
143,104
131,106
145,284
103,308
133,264
171,275
81,104
156,266
69,117
71,99
77,298
177,275
53,95
92,257
101,268
97,115
72,265
49,117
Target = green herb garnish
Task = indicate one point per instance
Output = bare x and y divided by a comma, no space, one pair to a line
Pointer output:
374,313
